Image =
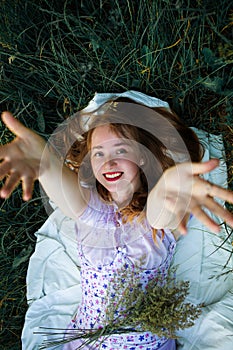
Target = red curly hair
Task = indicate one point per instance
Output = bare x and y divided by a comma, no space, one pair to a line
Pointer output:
159,131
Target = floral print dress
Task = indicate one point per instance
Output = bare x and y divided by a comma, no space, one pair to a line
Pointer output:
107,247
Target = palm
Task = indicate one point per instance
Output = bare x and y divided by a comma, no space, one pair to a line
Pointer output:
21,159
186,192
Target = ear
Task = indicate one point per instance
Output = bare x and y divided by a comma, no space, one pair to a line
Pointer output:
141,162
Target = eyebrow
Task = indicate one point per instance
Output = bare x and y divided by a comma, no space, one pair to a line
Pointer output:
116,145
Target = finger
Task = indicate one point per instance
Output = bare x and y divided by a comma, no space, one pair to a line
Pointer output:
27,185
219,211
205,167
205,188
182,220
13,124
10,184
4,169
182,227
218,192
205,219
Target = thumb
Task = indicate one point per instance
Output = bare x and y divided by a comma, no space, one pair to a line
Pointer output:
13,124
205,167
182,227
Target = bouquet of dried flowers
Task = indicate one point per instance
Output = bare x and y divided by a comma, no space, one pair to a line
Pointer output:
159,308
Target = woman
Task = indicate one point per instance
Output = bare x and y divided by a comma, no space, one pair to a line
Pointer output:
159,196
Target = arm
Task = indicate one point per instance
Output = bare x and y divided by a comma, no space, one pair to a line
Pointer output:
180,191
28,158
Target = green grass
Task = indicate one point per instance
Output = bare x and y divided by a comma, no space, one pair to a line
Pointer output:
55,54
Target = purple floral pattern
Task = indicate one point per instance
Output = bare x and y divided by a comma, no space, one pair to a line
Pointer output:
96,283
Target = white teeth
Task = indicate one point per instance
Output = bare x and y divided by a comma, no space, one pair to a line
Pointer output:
111,176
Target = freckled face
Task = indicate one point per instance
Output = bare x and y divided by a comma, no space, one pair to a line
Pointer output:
114,161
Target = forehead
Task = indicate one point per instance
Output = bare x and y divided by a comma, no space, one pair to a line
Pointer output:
102,134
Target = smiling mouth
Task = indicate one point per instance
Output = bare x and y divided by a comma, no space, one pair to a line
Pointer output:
113,176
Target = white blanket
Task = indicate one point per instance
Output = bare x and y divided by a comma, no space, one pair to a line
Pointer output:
53,279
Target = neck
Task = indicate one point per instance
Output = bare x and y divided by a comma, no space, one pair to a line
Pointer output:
121,199
124,197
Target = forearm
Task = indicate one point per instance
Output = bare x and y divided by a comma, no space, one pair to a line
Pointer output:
61,184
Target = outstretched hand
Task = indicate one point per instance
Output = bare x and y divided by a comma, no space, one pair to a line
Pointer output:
181,191
20,159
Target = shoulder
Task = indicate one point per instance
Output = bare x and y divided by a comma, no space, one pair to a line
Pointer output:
95,207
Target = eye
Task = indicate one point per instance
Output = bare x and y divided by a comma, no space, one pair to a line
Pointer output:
97,154
121,151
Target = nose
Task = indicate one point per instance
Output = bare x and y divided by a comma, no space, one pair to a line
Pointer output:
110,162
